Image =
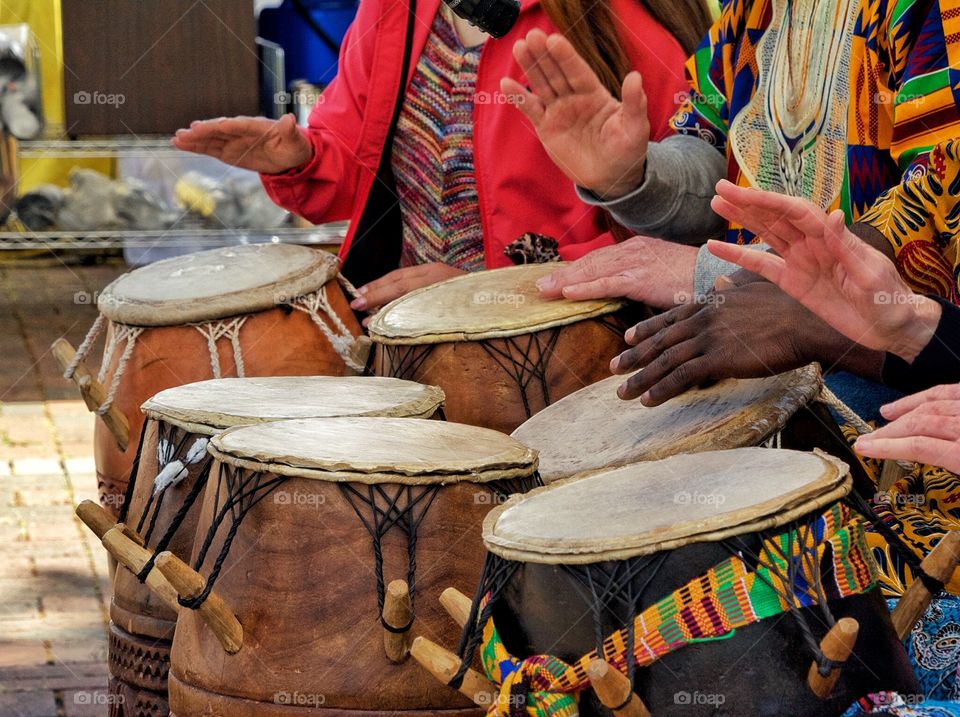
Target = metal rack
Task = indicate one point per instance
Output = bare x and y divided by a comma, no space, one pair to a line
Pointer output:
326,235
54,145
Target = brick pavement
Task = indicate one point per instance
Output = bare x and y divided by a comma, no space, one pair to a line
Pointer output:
53,573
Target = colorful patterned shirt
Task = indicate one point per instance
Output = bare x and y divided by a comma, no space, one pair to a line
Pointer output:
872,86
433,156
921,219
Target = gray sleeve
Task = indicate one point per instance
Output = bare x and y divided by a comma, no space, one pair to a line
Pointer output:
673,203
710,268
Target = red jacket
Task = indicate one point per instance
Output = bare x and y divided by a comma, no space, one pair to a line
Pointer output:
518,186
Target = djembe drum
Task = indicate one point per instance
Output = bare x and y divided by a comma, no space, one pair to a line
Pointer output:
728,582
319,541
498,350
783,410
172,469
253,310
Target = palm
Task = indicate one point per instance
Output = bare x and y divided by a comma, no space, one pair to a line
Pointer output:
586,137
256,143
596,140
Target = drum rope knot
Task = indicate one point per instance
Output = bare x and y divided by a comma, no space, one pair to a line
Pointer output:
805,564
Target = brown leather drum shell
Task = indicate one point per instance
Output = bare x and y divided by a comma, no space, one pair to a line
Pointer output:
273,342
300,578
481,392
760,670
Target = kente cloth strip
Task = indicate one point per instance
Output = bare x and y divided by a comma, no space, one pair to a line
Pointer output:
887,96
831,556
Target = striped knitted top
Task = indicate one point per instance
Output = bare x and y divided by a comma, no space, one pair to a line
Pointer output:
433,156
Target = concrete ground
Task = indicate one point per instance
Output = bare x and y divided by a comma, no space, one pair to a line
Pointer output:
54,589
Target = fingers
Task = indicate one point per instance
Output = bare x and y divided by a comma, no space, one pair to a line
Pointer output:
578,75
664,342
606,287
552,72
920,449
634,100
525,56
524,100
646,330
918,423
387,288
669,383
769,266
893,411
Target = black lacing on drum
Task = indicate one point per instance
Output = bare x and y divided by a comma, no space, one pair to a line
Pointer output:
240,490
128,494
531,364
405,361
390,506
505,487
497,573
895,541
613,323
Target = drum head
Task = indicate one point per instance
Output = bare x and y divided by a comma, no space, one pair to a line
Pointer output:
611,432
376,450
208,407
661,505
215,284
481,305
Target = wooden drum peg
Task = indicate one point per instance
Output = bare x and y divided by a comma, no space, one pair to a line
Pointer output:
213,610
134,557
614,690
95,517
836,646
93,392
397,614
939,565
456,604
443,665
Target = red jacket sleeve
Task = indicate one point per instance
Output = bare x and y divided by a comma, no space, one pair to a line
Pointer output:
324,189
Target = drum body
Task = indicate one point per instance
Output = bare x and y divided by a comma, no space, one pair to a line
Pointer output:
212,314
179,422
780,410
303,575
499,352
560,598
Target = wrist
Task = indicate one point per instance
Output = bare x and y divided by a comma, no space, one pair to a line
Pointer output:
623,186
918,329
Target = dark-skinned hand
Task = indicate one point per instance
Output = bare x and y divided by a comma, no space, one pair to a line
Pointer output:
746,332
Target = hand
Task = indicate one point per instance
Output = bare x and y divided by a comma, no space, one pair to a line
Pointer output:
924,428
399,282
597,141
656,272
851,286
748,332
256,143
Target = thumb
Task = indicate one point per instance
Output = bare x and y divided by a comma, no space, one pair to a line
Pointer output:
635,106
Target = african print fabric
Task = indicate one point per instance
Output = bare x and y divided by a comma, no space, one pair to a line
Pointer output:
921,508
933,646
728,596
433,156
892,71
921,219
